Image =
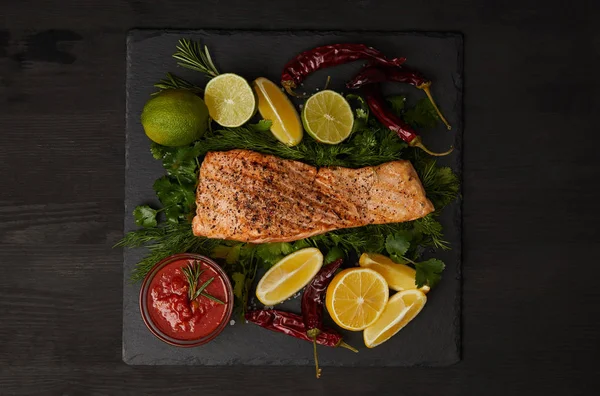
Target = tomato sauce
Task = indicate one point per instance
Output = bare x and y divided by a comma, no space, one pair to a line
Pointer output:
174,314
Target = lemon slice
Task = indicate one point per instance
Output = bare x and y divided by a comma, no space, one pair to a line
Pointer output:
289,276
398,276
274,105
328,117
399,311
356,298
230,100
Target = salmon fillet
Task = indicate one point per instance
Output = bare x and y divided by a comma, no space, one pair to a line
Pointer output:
250,197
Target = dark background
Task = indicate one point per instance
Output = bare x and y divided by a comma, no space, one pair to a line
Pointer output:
530,270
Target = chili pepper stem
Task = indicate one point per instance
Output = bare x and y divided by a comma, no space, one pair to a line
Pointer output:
425,88
318,370
289,88
344,345
327,83
416,142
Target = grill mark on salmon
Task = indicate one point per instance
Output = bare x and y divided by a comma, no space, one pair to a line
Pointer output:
250,197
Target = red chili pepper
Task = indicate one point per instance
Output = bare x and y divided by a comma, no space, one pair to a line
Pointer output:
312,304
292,325
380,110
307,62
379,73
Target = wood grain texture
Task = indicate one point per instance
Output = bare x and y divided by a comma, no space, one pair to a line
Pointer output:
530,314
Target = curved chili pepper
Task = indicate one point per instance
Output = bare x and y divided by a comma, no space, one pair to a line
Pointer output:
379,73
312,304
380,110
292,325
307,62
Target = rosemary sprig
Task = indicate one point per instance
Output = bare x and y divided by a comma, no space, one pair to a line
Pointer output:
174,82
191,55
192,274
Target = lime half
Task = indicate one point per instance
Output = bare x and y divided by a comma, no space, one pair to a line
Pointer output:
327,117
230,100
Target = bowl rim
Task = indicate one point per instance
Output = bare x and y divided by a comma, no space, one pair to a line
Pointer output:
144,311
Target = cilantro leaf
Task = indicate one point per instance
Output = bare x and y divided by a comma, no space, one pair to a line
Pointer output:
333,254
422,115
172,214
361,113
429,272
158,151
181,164
397,243
261,126
178,199
234,254
300,244
271,253
145,216
239,283
397,103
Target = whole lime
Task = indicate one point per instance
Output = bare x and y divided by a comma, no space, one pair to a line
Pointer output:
175,117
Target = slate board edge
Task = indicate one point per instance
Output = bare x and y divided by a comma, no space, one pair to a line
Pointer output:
136,35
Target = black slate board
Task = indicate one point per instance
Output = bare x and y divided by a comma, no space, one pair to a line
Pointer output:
433,338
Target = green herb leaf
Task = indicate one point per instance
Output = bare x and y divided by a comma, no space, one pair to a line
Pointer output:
271,253
234,254
441,183
192,55
239,283
261,126
422,115
178,199
333,254
158,151
397,103
429,272
397,244
174,82
145,216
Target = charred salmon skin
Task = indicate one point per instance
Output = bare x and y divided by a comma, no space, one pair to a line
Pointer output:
251,197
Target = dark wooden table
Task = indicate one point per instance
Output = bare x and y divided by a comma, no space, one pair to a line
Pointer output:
531,239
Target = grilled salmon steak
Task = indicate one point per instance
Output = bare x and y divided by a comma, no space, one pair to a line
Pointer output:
247,196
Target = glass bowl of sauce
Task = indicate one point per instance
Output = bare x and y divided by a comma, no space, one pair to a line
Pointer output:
165,302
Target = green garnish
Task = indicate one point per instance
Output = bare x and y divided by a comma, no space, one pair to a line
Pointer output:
370,144
192,274
191,55
174,82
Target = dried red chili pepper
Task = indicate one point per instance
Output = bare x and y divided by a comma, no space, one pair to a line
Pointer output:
292,325
378,73
312,304
307,62
380,110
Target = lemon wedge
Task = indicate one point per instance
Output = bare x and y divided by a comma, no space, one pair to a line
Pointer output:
274,105
398,276
401,308
289,276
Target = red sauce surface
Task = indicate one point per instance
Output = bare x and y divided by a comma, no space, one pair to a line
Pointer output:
173,313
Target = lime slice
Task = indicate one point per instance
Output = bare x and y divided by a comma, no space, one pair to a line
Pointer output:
230,100
327,117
